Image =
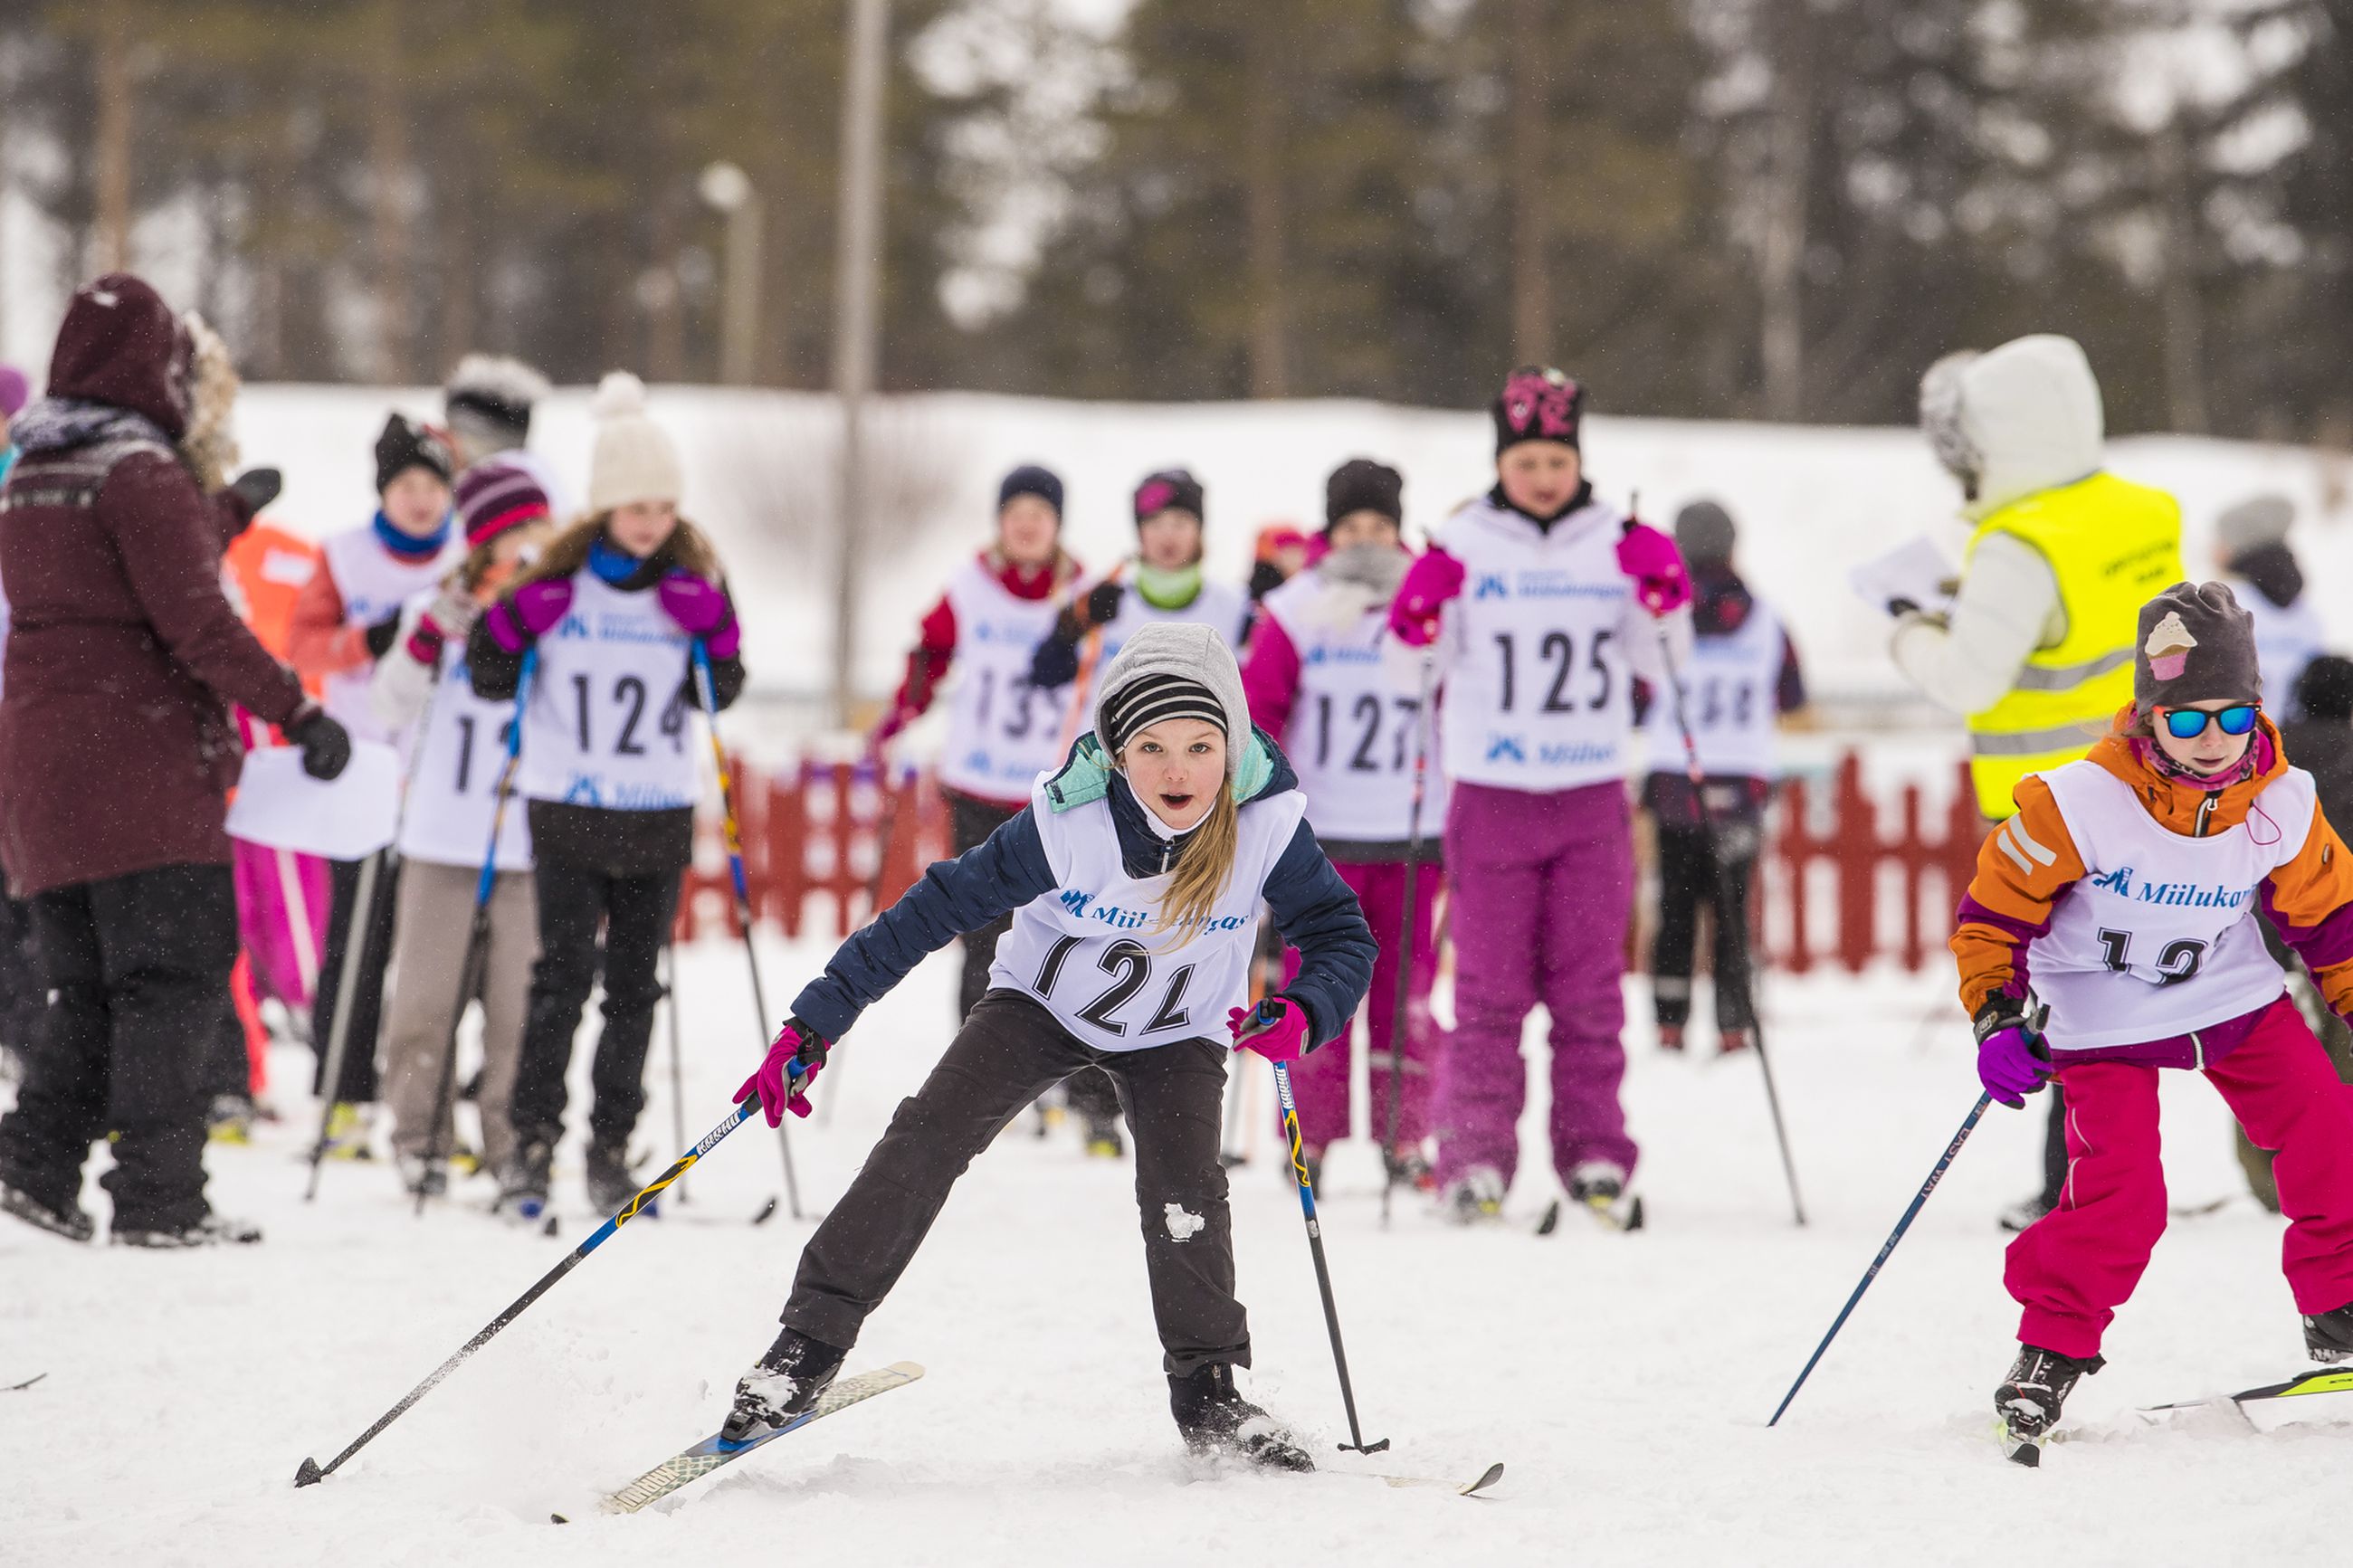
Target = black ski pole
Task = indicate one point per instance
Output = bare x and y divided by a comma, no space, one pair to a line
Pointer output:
1356,1445
1919,1200
1698,780
677,1056
709,696
1408,929
473,969
311,1471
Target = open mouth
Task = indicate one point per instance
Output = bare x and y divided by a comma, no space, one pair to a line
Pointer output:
1175,802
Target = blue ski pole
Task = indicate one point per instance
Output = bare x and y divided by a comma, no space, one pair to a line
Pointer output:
478,936
708,691
1262,1016
1919,1200
311,1471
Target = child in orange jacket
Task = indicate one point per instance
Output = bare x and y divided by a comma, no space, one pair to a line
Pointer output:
2126,891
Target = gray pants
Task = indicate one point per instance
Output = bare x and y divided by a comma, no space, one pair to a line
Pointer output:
1009,1051
434,919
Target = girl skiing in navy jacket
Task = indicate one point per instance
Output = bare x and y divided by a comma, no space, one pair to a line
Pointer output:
613,607
1136,877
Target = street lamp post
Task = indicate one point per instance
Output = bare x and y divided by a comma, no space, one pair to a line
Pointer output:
726,188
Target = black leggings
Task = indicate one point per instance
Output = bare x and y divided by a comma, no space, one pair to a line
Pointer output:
636,912
357,1077
1011,1050
1700,865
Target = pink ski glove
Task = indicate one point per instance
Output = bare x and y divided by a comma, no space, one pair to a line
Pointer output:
2012,1060
1433,579
518,621
783,1080
699,607
1276,1029
1651,558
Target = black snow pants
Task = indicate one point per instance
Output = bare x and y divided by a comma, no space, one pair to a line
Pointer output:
358,1076
1010,1050
1696,866
636,912
138,967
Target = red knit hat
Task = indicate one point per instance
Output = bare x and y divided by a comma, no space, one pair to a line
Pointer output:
494,496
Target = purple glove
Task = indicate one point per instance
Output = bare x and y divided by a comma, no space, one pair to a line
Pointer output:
1651,558
1433,579
699,607
2012,1060
521,619
783,1080
1276,1029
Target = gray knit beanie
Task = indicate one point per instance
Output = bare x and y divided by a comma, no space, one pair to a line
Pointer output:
1162,659
2196,645
2255,521
1703,535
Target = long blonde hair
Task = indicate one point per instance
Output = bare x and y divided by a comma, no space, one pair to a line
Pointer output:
1204,866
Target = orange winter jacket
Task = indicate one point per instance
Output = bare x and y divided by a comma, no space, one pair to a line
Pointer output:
2028,863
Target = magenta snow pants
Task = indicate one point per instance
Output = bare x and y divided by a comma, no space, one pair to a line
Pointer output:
1319,1082
1542,887
2076,1265
282,905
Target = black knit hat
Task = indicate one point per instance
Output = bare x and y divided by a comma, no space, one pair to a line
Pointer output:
1169,487
406,446
2325,690
1033,479
1538,403
1362,485
2196,645
1703,535
1152,699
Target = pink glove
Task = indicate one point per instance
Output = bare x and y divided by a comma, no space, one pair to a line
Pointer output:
699,607
519,621
1276,1029
783,1080
1651,558
2012,1060
1433,579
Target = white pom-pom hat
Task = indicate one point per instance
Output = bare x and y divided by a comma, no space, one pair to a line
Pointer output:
634,458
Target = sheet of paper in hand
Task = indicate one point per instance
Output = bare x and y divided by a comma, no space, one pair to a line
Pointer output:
1915,571
281,807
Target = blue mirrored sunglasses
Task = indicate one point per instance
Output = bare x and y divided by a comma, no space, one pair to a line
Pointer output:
2189,723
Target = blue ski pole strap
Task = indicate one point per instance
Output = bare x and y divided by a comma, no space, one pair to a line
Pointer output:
504,790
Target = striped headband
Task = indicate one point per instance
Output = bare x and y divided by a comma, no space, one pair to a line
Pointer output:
1152,699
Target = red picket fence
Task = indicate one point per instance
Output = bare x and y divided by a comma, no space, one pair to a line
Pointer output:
812,833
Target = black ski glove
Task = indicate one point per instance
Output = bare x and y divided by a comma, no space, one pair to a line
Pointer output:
326,745
1102,603
382,635
256,488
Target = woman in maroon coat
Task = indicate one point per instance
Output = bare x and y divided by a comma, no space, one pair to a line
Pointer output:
116,755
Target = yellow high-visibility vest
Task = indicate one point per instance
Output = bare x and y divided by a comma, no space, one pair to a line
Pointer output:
2112,545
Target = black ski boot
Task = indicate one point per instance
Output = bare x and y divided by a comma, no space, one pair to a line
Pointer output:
213,1230
784,1383
523,1184
1215,1419
2027,1401
609,1183
69,1222
2329,1336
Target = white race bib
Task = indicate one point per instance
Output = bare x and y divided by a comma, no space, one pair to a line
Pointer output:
1351,735
607,720
373,583
453,775
1538,693
2159,938
1731,696
1002,732
1093,951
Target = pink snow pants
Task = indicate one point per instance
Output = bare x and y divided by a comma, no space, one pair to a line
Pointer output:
1542,887
1318,1081
2073,1268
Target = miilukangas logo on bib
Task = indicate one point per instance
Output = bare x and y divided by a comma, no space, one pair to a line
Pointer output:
1085,906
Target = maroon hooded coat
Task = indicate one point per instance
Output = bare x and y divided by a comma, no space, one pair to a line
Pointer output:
116,749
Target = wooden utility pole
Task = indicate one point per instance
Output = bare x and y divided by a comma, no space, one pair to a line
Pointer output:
1781,260
1529,151
389,171
112,159
858,263
2182,305
1262,174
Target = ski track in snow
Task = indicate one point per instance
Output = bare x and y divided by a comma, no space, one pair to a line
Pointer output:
1624,1380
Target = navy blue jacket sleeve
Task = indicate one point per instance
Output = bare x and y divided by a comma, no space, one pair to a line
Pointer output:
994,878
1318,914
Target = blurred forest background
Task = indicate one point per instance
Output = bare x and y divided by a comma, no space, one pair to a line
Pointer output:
1711,208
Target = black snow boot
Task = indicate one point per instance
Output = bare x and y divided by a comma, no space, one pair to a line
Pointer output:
1215,1418
2329,1336
2039,1381
523,1184
609,1183
69,1222
213,1230
784,1383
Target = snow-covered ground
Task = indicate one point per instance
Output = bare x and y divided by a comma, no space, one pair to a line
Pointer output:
1624,1380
